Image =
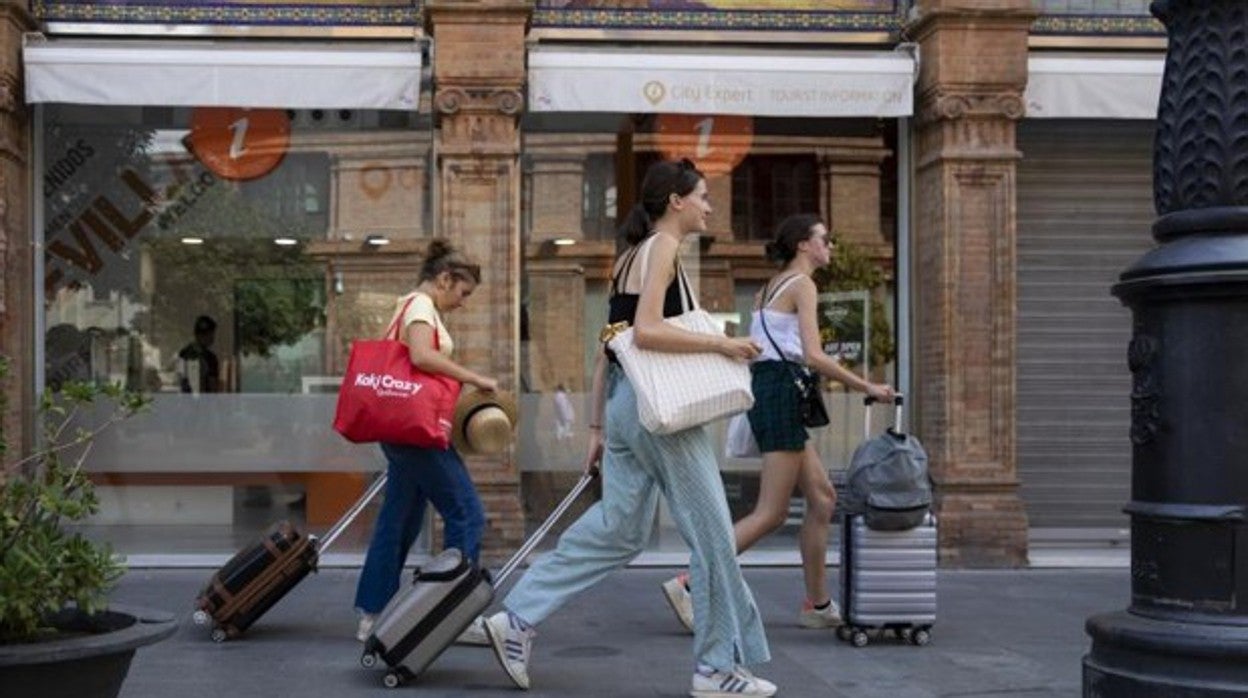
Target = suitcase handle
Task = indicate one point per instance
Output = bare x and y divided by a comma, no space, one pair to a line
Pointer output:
341,525
869,400
542,530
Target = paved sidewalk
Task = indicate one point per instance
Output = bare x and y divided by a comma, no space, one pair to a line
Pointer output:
998,633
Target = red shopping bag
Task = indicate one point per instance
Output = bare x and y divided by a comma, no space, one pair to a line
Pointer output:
384,397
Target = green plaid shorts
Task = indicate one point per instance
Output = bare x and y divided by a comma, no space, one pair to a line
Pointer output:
774,418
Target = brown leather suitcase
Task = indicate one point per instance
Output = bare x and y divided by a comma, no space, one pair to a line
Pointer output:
258,576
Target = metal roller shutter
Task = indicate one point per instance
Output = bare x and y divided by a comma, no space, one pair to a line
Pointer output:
1085,212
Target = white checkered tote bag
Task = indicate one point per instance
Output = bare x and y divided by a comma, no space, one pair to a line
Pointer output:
676,391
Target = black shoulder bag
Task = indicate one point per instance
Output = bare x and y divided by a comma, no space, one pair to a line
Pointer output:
810,405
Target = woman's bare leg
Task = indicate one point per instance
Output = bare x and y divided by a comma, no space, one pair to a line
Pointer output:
813,537
780,474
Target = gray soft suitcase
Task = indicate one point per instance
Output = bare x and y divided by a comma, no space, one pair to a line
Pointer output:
888,578
446,594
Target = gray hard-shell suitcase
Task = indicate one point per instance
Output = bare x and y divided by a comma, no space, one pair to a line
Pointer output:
888,578
446,594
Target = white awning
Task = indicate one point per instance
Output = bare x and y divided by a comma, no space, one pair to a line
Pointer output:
761,82
237,74
1093,87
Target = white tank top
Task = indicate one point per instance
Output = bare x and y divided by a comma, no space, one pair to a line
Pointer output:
784,330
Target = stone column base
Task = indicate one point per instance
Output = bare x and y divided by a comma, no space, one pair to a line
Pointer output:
980,529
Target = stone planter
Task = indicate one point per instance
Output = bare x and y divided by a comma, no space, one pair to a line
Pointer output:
90,662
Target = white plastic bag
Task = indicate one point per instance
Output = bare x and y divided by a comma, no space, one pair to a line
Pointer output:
740,441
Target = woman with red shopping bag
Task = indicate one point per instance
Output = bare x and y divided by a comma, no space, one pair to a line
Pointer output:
420,474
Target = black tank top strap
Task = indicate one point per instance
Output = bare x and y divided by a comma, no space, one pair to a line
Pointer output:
625,268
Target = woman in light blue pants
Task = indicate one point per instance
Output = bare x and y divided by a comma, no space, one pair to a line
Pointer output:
638,466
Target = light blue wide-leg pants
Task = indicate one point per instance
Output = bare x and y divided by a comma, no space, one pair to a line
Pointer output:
637,467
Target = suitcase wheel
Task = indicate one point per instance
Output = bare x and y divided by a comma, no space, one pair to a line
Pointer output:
392,680
859,638
368,660
920,637
843,632
200,617
218,635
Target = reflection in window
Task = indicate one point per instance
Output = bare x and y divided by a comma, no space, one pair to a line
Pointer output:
768,188
231,293
599,200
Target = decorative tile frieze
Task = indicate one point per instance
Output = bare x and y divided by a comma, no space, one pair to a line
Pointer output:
235,12
848,15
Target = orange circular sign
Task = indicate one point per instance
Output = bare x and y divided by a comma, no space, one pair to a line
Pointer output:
717,141
239,144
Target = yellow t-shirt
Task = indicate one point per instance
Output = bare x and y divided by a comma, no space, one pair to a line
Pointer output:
423,310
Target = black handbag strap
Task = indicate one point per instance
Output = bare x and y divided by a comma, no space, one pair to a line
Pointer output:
768,297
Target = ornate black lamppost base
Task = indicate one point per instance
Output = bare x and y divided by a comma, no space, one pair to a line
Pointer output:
1146,658
1185,634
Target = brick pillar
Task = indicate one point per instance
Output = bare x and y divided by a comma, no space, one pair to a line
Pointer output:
849,186
478,74
17,304
557,181
972,76
556,311
719,187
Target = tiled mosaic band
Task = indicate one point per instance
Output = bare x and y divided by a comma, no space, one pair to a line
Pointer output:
379,13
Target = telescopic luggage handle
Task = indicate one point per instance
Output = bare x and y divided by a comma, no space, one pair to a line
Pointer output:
332,534
868,401
542,530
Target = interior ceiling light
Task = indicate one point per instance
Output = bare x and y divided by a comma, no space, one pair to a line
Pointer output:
564,242
285,242
377,240
192,241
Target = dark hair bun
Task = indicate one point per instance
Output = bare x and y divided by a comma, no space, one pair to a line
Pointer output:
774,251
438,248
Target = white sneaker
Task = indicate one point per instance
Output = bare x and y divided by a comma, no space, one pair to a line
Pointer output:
730,684
512,646
811,617
474,634
677,595
366,627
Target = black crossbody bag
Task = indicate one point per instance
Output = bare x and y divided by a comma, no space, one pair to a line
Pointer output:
810,405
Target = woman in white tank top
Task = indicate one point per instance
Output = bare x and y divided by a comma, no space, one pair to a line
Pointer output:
788,304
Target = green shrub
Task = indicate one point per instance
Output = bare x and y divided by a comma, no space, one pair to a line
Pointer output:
43,566
851,269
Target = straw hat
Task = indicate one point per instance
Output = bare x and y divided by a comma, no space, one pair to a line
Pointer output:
484,422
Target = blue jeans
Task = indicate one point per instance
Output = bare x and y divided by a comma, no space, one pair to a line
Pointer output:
637,468
417,476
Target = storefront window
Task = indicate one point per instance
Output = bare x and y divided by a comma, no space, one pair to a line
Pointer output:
583,172
222,260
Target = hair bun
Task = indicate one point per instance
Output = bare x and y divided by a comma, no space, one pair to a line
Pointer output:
438,248
773,252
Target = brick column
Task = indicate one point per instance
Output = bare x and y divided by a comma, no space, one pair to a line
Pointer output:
17,304
973,72
556,290
849,190
555,196
479,73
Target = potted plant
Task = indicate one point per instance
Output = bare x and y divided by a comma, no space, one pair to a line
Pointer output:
58,637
